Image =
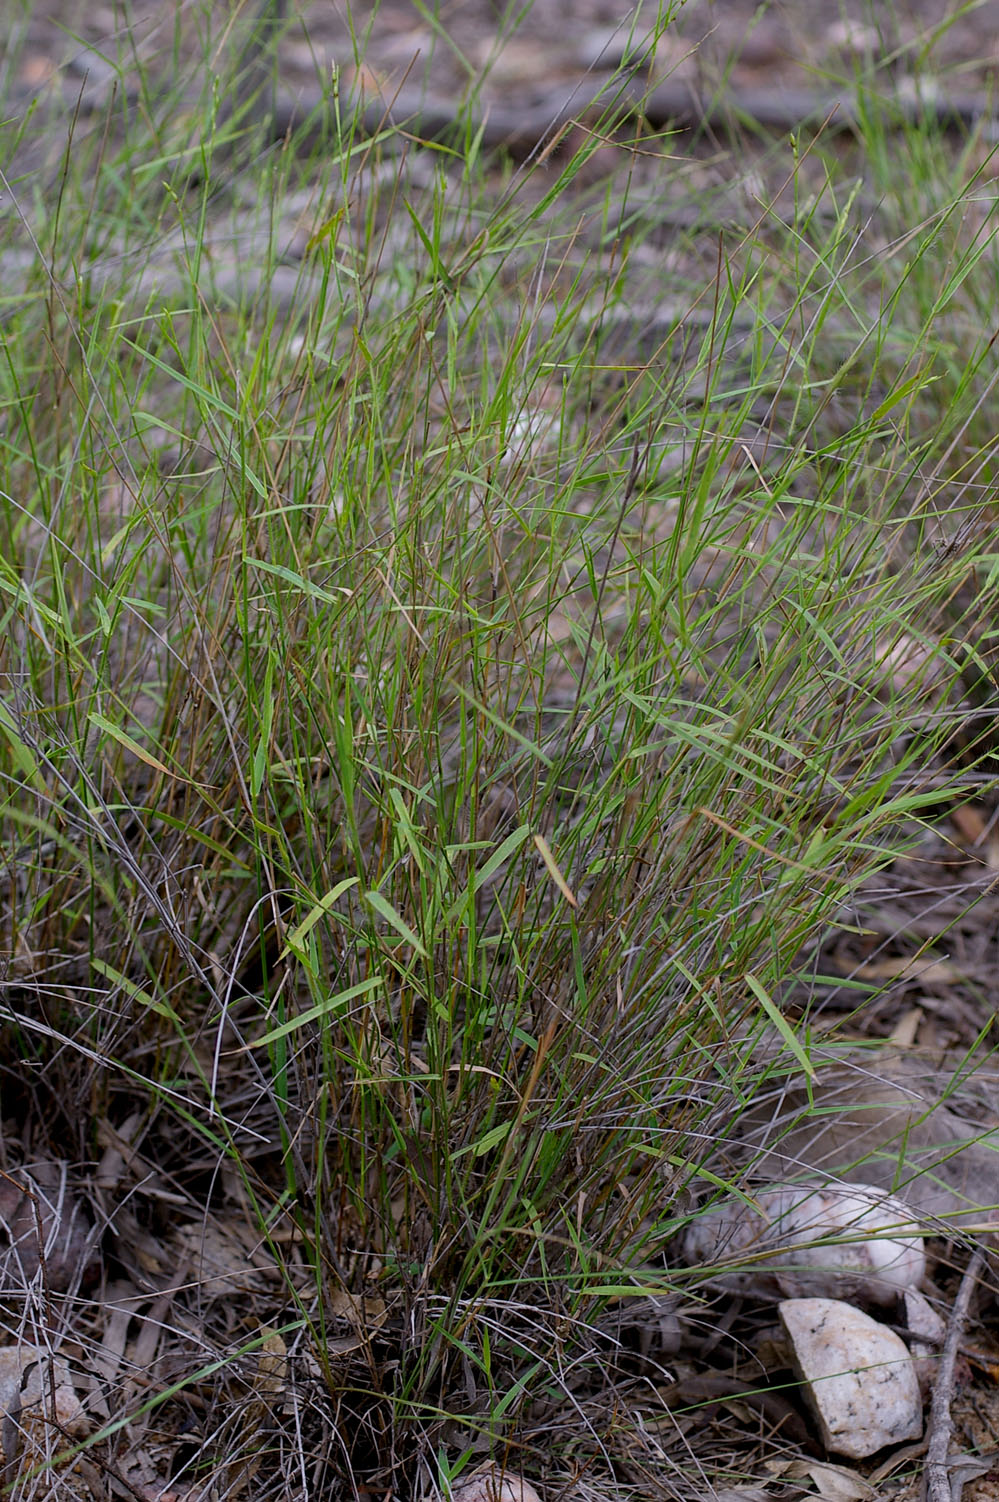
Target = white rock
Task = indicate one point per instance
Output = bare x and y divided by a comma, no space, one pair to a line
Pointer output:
494,1485
927,1331
811,1241
859,1377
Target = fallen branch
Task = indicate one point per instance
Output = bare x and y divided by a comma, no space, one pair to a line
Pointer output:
667,105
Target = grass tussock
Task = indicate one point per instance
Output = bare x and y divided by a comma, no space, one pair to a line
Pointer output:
463,650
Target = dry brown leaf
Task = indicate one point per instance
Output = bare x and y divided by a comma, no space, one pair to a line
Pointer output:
222,1261
922,968
742,1494
906,1029
835,1483
267,1383
118,1151
50,1234
142,1352
364,1313
974,1478
142,1474
970,823
122,1305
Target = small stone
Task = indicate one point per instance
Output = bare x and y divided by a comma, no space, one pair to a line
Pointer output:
494,1485
38,1405
858,1376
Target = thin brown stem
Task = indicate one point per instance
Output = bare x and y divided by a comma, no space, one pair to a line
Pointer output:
938,1482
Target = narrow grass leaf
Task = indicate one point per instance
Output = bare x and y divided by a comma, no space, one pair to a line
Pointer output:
23,759
781,1023
163,1008
119,735
258,767
502,853
915,383
441,272
385,910
333,1004
493,1138
293,943
489,867
198,390
279,571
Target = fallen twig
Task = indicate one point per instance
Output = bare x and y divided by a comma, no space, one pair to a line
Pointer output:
937,1471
